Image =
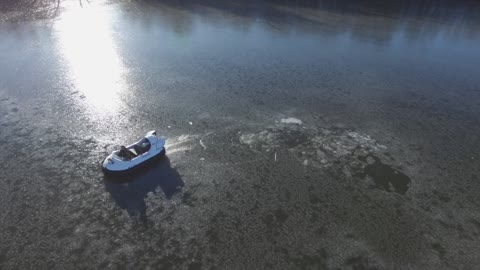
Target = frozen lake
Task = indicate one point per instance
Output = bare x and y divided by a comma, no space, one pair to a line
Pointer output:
300,134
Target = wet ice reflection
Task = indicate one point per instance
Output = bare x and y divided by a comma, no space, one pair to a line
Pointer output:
85,40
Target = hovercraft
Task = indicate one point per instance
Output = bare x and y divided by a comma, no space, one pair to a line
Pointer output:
131,157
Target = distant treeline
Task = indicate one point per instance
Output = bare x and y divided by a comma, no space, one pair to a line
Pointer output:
433,8
429,8
391,7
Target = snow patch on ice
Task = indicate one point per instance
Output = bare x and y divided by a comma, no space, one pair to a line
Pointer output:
291,120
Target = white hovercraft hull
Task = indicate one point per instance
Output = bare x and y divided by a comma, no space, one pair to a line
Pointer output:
114,165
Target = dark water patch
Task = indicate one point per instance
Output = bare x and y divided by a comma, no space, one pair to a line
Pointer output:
281,215
213,239
213,235
318,261
195,266
170,262
476,223
129,192
219,217
188,198
447,225
321,231
439,248
359,263
314,199
442,196
11,229
386,177
64,232
3,255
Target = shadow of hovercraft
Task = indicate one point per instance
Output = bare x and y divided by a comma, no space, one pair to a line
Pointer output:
129,192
